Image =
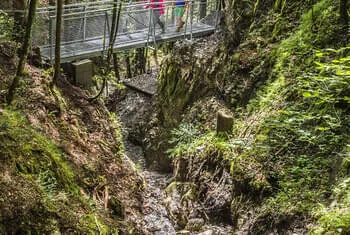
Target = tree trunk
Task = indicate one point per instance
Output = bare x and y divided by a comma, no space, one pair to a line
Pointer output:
155,57
128,65
224,123
203,9
57,73
116,66
344,19
113,36
24,51
139,61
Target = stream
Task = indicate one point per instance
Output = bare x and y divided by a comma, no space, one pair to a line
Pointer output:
133,109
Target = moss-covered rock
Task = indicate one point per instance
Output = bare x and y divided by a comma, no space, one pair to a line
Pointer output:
180,200
287,147
37,182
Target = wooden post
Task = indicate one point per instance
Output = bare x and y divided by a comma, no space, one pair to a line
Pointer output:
224,123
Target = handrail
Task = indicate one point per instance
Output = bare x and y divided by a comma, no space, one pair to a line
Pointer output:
88,22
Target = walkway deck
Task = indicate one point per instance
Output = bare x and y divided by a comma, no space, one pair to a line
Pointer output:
86,26
93,48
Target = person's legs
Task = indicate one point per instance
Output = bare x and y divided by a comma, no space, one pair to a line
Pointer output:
161,24
179,11
156,20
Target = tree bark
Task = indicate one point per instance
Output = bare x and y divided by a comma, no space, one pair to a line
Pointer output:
139,61
113,36
116,66
203,9
344,19
128,65
24,51
224,123
57,73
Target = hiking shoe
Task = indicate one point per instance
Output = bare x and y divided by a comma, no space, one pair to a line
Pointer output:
179,27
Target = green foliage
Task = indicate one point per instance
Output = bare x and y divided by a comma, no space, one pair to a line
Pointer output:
6,23
32,152
38,172
305,136
182,137
117,133
289,143
335,219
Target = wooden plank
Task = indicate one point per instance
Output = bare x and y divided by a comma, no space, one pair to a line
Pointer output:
140,89
145,84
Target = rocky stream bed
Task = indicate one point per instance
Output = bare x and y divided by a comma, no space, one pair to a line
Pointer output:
159,205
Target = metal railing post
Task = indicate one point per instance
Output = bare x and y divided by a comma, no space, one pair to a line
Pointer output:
173,20
151,28
108,32
104,33
166,17
84,24
189,2
217,13
191,20
51,36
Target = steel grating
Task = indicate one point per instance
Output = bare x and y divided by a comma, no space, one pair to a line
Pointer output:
86,27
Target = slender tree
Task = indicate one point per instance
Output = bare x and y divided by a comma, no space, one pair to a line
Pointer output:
116,66
112,38
57,73
128,65
23,53
344,18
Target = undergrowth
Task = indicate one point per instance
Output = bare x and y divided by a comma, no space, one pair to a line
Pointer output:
289,144
46,197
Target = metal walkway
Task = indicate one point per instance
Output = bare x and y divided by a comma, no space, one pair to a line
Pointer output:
86,27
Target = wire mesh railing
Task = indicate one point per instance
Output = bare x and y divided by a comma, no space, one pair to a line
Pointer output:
86,22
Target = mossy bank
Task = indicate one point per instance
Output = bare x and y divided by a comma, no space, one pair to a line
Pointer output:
282,69
62,164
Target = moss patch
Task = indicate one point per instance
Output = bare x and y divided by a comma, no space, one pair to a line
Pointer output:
39,193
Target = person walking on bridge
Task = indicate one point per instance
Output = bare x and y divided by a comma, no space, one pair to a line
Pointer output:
180,6
158,12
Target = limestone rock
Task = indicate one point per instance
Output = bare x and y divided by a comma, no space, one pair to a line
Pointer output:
195,224
180,200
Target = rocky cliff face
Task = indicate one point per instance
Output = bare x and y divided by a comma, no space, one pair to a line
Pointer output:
254,68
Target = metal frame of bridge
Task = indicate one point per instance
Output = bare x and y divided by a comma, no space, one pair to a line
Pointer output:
86,27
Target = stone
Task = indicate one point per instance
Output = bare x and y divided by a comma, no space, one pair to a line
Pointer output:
224,123
180,169
180,200
83,72
207,232
184,232
195,224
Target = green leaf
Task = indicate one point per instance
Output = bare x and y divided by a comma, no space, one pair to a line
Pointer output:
347,99
307,94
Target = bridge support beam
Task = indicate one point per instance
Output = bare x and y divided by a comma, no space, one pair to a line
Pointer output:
83,72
